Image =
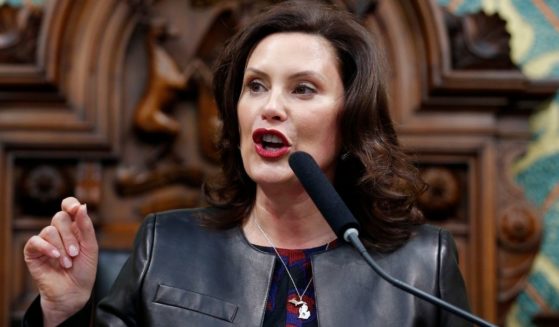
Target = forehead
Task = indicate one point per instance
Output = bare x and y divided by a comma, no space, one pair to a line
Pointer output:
295,47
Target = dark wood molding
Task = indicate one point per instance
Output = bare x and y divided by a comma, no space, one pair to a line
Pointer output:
73,121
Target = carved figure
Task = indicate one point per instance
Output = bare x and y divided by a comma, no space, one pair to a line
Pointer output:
165,77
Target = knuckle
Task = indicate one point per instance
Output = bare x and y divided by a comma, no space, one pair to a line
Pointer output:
34,243
30,242
59,218
49,232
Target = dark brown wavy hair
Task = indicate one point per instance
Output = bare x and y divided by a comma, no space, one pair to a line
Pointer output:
373,175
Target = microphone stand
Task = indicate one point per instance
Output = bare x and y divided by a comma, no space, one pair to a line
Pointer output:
352,236
343,223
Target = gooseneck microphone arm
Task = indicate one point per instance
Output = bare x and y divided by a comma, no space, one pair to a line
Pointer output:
346,227
354,240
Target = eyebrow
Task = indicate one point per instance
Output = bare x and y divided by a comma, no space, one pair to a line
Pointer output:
255,71
293,76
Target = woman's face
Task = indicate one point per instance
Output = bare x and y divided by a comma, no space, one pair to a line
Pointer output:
291,101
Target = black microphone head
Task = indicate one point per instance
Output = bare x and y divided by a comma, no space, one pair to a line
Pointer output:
323,194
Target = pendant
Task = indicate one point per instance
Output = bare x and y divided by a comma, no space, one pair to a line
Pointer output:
304,312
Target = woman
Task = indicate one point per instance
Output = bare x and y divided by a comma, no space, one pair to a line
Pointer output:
299,77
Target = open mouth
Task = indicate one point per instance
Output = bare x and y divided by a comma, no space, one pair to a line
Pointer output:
270,143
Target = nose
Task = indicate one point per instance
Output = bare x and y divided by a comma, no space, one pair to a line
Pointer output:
274,108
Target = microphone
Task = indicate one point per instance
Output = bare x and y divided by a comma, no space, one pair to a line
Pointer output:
346,227
324,196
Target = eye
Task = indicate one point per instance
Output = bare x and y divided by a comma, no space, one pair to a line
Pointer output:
255,86
304,89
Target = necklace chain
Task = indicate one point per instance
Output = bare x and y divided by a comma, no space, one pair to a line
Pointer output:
300,295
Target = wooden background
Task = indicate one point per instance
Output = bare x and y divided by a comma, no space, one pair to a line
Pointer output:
109,100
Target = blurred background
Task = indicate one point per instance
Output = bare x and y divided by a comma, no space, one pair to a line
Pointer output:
110,101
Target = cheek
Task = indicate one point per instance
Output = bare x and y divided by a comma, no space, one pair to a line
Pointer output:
321,138
324,128
243,118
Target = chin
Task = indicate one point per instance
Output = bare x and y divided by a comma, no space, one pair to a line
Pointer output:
273,180
271,176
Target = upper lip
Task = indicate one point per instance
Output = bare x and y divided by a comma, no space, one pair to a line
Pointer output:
259,133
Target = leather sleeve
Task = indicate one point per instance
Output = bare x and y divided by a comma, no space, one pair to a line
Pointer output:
122,306
451,283
34,315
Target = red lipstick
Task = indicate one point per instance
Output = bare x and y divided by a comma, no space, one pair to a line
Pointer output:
270,143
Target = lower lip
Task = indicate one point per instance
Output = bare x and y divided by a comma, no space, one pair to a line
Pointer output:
269,154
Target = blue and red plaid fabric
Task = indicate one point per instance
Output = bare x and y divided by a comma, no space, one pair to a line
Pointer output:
279,312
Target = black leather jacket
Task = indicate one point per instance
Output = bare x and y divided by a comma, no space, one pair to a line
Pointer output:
180,274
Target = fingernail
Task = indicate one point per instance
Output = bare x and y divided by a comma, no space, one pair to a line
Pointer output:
73,250
74,209
84,208
55,253
66,262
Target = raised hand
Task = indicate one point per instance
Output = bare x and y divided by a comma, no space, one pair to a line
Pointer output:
62,260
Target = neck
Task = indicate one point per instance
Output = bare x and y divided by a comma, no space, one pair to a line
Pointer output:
289,218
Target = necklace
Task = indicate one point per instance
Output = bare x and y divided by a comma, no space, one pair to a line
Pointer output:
304,312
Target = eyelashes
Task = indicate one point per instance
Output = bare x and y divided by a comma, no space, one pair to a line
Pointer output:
304,89
256,86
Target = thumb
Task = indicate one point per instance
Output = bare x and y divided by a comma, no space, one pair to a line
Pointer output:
85,226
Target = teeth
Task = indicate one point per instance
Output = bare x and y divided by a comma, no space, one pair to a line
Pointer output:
269,138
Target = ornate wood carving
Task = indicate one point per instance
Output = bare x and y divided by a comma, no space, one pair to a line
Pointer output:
115,107
479,88
89,176
19,29
519,227
59,119
165,78
451,114
478,41
132,182
208,121
442,198
157,176
40,186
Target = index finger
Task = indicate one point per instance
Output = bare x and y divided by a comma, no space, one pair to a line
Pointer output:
70,205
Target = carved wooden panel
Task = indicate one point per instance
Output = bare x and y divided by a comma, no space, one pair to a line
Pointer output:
110,100
462,109
519,226
478,42
60,100
19,33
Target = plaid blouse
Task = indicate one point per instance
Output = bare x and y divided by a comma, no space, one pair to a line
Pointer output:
279,310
